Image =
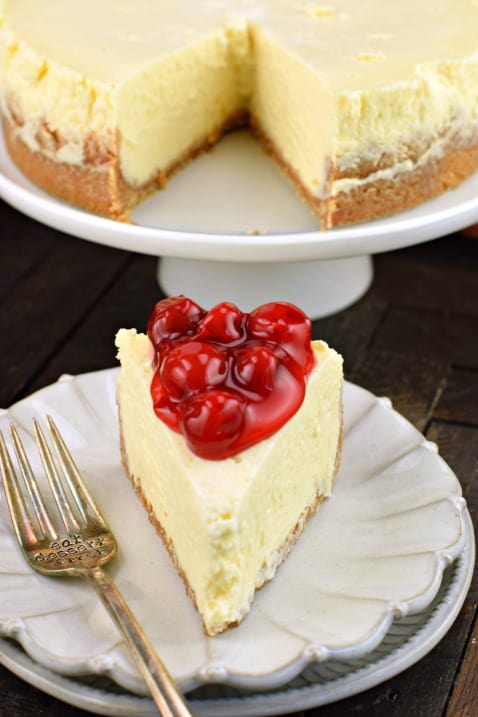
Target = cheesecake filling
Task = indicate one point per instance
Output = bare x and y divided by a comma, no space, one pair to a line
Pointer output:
267,524
228,524
437,111
161,109
295,111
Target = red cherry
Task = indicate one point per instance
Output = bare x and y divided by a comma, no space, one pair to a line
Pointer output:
161,404
212,422
256,368
173,317
286,325
191,367
224,324
226,379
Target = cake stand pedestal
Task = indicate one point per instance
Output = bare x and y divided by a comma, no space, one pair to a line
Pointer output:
320,288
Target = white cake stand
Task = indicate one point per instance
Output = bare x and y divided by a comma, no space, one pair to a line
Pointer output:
229,226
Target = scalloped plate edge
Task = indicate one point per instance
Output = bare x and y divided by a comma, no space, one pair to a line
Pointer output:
103,702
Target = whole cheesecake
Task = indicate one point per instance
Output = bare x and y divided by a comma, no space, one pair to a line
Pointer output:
231,430
367,110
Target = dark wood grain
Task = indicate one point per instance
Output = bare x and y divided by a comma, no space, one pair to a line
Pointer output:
91,347
440,279
435,334
459,446
414,387
413,337
464,697
459,400
20,236
351,331
44,306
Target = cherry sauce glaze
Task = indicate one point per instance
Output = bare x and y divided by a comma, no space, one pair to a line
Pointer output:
226,379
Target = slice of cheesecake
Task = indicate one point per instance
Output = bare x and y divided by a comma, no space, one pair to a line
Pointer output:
229,520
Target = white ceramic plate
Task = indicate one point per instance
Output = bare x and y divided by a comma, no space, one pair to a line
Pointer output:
208,209
394,522
408,639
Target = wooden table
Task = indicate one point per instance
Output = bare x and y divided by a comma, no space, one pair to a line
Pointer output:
413,337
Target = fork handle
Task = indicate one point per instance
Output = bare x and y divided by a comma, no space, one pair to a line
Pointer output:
163,688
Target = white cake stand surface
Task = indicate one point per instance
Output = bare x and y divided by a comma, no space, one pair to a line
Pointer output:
230,226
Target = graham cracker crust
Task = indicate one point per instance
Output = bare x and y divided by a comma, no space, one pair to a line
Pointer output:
99,187
282,553
408,189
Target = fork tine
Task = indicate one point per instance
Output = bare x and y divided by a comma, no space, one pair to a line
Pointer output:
79,491
31,484
68,518
21,518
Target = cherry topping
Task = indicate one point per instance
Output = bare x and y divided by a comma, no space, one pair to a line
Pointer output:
192,367
286,325
224,323
212,422
256,368
173,317
226,379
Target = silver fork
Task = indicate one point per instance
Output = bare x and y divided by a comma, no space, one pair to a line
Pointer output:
77,542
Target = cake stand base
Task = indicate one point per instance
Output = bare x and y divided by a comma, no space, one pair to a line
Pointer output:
320,288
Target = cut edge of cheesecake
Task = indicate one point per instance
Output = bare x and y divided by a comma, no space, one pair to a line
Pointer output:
218,618
99,186
381,197
277,559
